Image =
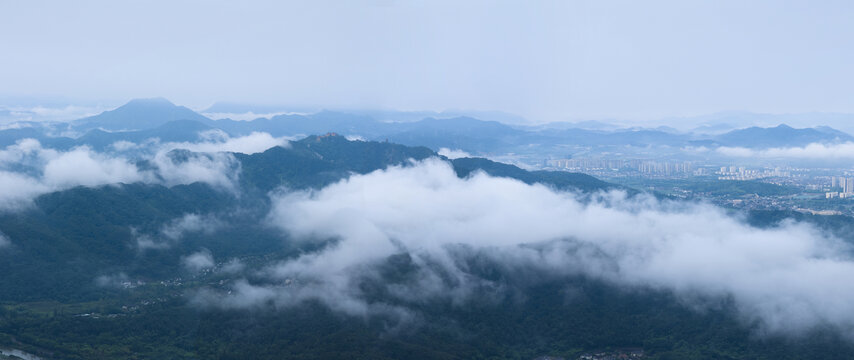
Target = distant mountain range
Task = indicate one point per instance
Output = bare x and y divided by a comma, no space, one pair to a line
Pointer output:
158,118
781,136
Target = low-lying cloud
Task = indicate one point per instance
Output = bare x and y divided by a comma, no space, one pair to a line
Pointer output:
220,170
814,151
453,154
219,141
46,113
18,190
4,241
247,116
173,231
191,223
27,169
198,261
82,166
785,278
118,280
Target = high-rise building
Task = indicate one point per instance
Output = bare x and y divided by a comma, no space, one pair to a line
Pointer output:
840,182
849,185
833,182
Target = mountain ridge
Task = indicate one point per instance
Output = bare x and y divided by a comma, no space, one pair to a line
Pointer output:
140,114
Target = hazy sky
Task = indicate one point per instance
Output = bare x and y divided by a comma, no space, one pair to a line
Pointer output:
541,59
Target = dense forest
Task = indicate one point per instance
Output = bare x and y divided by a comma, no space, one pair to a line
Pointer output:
54,302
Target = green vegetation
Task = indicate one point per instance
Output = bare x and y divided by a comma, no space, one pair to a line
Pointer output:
51,305
708,186
557,318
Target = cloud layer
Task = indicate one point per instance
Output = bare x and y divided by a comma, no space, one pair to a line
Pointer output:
175,230
453,154
4,241
27,169
814,151
198,261
218,141
784,278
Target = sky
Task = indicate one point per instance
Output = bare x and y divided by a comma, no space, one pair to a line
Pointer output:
545,60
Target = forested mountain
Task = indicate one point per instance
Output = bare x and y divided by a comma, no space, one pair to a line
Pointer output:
164,238
140,114
101,272
74,235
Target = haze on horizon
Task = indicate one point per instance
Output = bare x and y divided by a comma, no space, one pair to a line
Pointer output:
547,60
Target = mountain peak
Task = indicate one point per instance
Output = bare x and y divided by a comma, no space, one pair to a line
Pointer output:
155,101
781,136
141,114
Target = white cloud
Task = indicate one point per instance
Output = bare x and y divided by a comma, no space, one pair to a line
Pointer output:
190,223
82,166
816,151
247,116
175,230
47,170
14,125
4,241
28,170
123,145
56,113
114,280
17,190
147,242
453,154
233,266
218,141
28,152
216,169
198,261
50,170
786,278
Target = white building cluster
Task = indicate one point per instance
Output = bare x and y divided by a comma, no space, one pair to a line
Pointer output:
742,173
846,185
664,168
648,167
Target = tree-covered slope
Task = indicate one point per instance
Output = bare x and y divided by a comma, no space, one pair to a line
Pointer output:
54,301
68,238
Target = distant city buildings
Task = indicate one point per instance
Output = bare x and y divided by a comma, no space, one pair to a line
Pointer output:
742,173
647,167
665,168
845,184
803,189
